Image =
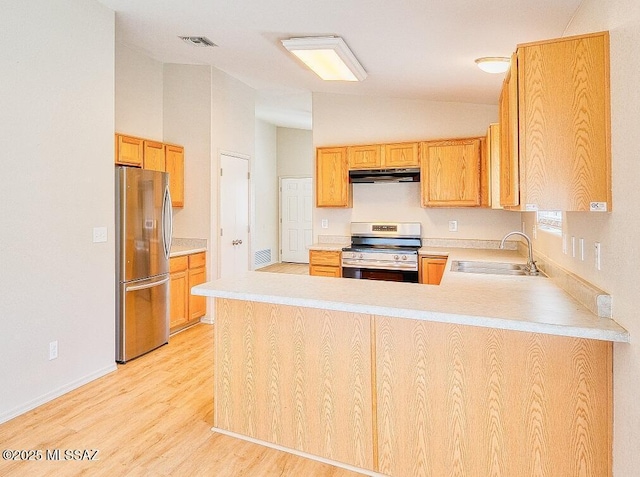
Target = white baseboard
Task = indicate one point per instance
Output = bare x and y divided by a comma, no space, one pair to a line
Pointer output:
306,455
45,398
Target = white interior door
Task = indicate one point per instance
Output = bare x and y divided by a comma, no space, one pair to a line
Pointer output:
234,216
295,215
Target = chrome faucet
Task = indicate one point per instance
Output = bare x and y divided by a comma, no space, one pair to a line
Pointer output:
531,264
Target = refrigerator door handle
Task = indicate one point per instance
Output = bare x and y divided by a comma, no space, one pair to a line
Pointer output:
167,222
146,285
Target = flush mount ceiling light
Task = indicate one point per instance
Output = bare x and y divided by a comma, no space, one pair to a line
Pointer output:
493,64
328,56
200,41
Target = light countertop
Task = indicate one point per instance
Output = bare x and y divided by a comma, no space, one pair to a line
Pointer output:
520,303
187,246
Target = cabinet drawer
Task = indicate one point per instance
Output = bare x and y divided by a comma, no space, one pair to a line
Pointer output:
324,271
197,260
330,259
178,264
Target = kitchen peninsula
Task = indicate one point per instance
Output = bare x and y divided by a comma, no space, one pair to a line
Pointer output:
490,375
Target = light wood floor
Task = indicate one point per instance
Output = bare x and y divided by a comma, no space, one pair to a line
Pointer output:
152,417
295,268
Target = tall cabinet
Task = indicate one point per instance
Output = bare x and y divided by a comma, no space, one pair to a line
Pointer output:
554,115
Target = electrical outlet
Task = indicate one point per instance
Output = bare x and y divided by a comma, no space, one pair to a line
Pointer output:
535,232
53,350
324,223
582,249
99,234
598,250
453,226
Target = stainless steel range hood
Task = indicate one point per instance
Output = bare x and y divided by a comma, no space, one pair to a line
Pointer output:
385,175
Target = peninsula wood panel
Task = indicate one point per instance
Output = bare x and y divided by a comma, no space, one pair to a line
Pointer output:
469,401
297,377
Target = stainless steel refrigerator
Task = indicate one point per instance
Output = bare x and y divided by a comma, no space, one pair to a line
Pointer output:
143,242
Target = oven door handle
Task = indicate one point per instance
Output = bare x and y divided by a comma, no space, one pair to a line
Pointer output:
379,265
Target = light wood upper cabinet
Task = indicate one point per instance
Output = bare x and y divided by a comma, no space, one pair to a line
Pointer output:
451,172
365,157
128,150
332,177
508,111
493,165
154,156
174,165
563,130
401,155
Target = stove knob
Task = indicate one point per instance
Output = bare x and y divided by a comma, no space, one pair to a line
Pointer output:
360,255
395,257
404,257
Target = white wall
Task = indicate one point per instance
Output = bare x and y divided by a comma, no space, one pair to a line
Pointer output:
265,193
618,231
232,131
187,121
57,123
296,155
139,94
344,120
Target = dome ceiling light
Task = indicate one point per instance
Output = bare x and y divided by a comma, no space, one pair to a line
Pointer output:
493,64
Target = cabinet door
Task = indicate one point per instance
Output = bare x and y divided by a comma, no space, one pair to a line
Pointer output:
174,159
179,299
129,150
321,257
325,271
332,178
197,304
401,155
179,291
508,111
432,269
154,156
365,157
563,93
450,173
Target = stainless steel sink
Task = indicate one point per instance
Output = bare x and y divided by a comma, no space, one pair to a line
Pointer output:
495,268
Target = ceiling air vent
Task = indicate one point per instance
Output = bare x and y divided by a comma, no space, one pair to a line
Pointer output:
201,41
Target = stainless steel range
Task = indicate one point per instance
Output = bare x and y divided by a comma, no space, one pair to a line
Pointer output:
383,251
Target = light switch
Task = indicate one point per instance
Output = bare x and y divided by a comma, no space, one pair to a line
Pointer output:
453,226
324,223
99,234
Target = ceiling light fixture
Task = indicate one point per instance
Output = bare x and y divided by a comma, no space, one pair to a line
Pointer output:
493,64
328,56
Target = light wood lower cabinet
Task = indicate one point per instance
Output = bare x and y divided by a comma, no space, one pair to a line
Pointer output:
186,272
325,263
197,275
431,269
407,397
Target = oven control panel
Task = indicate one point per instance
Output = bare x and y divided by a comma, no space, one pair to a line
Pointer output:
384,228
